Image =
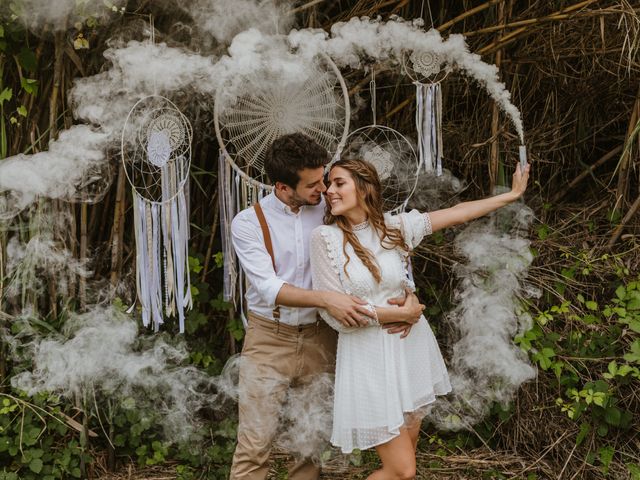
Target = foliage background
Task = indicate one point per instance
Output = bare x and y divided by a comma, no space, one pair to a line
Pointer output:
573,69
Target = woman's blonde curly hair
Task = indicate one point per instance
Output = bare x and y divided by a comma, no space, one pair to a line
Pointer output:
368,190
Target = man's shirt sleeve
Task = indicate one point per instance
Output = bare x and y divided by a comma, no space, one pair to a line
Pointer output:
255,260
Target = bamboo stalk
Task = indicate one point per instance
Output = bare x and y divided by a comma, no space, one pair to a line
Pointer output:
495,116
630,214
622,188
510,37
117,229
606,157
57,81
539,20
214,228
82,285
305,6
467,14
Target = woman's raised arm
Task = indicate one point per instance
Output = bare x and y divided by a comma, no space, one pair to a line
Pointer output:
466,211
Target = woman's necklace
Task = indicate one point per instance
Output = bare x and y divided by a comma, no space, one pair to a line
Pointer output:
360,226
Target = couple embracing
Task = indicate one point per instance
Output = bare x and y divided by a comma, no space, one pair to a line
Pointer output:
329,289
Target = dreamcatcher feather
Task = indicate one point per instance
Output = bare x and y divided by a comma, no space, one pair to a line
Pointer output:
250,113
156,154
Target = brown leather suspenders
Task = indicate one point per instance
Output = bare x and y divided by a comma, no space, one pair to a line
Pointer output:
268,245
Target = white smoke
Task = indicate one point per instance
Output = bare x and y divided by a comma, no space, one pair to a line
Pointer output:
142,68
486,366
27,264
58,15
217,19
363,38
102,351
54,173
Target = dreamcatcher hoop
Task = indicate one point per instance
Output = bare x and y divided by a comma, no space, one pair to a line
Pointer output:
175,141
266,111
424,67
379,144
156,156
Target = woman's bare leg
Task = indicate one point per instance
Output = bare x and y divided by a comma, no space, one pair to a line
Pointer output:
414,433
398,458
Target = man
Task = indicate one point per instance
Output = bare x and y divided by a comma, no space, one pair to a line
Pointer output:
285,343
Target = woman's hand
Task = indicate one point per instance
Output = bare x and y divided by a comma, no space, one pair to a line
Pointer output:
412,309
520,179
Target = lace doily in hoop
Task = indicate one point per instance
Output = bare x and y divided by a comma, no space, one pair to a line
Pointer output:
424,66
258,108
156,141
393,157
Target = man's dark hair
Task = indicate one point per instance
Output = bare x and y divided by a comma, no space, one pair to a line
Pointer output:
290,153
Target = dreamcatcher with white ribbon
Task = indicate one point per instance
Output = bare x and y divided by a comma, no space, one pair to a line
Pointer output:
251,111
424,68
427,70
156,154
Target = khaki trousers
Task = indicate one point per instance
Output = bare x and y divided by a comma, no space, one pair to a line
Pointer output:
275,357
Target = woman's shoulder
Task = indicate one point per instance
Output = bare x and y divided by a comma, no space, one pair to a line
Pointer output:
327,236
325,231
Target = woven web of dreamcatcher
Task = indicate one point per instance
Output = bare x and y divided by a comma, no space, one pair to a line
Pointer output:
266,105
156,139
424,66
393,157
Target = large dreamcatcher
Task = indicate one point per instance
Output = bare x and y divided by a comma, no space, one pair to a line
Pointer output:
250,112
156,154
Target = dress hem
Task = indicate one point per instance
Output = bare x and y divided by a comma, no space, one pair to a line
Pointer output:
394,429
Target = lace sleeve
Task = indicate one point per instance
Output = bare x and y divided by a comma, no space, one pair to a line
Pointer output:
414,225
325,274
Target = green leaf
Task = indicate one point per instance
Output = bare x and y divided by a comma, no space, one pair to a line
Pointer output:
591,305
606,455
22,110
633,304
6,95
27,59
29,85
621,292
36,465
585,428
612,416
634,353
634,471
543,232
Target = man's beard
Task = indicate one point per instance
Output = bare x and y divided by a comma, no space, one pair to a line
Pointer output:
297,201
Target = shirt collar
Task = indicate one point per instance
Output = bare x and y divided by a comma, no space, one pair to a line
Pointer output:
283,207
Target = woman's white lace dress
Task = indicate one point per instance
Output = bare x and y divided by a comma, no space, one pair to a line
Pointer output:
379,376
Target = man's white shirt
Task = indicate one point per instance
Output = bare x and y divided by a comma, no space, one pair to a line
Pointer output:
290,235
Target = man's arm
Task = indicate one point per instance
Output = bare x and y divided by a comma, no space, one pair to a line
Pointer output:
347,309
256,262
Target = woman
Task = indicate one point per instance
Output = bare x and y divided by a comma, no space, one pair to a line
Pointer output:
383,382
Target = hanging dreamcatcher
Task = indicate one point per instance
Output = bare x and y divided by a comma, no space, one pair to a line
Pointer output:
391,154
425,69
156,154
393,158
250,112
